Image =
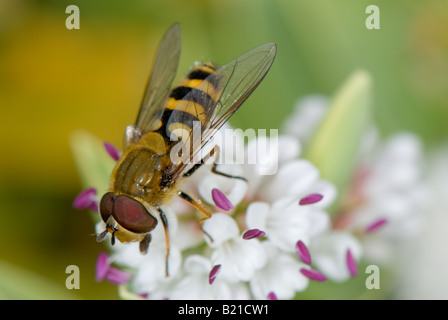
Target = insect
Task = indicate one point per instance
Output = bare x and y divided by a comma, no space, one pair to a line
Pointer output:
146,178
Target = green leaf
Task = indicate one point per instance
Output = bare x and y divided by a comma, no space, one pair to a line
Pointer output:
21,284
334,147
92,160
125,294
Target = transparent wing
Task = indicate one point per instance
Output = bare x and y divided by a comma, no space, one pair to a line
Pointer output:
234,82
158,86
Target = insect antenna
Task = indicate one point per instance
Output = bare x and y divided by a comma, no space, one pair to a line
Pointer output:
101,236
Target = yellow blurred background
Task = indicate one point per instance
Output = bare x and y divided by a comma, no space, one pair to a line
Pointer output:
54,80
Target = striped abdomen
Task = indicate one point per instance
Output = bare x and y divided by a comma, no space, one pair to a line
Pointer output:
191,101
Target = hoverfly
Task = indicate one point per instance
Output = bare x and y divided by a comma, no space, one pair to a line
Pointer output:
146,178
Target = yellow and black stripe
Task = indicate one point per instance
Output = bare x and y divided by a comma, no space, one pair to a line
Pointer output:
191,101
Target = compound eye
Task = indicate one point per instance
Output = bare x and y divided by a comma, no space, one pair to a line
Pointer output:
132,215
106,205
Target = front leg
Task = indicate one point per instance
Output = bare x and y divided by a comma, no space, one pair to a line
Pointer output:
195,204
167,239
213,153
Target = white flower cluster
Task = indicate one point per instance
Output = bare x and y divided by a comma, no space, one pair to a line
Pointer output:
247,251
269,235
386,203
423,260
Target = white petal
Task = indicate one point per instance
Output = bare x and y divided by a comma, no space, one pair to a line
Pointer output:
151,272
319,222
197,264
188,235
256,215
330,252
423,260
326,189
288,148
309,112
280,275
287,223
397,167
293,178
239,259
193,283
240,291
196,287
403,146
220,227
127,254
262,154
234,189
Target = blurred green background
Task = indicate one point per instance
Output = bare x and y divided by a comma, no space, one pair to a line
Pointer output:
54,81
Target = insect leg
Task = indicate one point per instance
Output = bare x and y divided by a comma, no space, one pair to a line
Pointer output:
144,244
167,239
203,160
225,174
193,169
195,204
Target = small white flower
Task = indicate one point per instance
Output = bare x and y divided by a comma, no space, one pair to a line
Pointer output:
286,222
387,199
392,190
234,189
307,115
423,262
329,253
298,178
280,275
239,258
287,148
193,284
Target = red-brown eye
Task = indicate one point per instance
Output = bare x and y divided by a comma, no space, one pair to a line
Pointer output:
132,215
106,205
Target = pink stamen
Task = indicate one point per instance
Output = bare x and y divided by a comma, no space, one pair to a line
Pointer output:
112,151
117,276
111,274
310,199
313,274
86,199
252,234
302,252
351,264
375,226
272,296
221,200
213,273
102,265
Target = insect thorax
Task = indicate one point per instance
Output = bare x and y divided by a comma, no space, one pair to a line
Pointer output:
141,174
